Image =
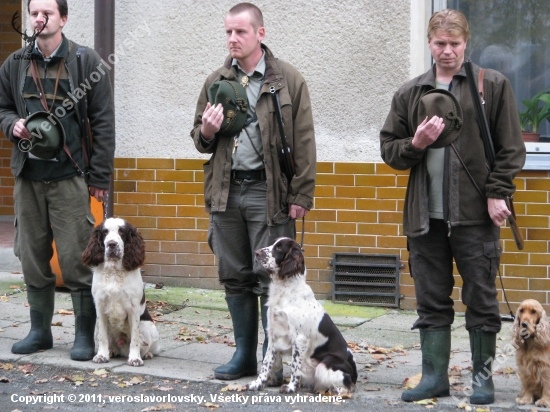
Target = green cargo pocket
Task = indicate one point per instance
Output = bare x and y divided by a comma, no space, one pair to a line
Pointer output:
492,251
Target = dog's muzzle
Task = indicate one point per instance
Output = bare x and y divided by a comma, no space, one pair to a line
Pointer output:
112,250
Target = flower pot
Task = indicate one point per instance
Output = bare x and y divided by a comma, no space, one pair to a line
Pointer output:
530,137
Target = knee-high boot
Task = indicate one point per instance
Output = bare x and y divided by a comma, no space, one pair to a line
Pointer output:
436,351
483,346
84,325
244,315
41,302
278,381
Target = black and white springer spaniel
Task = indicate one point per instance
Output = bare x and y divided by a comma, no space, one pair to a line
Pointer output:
115,252
299,325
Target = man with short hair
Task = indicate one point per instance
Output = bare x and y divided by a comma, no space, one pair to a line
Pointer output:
52,194
454,205
250,200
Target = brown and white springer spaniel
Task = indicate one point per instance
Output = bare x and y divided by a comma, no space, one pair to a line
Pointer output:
299,325
115,252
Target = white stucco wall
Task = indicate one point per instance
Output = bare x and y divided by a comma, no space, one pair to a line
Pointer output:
353,54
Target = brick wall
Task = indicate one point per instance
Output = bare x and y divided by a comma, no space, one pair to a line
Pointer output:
10,41
357,209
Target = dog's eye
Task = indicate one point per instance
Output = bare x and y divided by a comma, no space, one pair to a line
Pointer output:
533,311
521,310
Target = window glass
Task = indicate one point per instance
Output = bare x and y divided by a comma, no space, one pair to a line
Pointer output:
513,37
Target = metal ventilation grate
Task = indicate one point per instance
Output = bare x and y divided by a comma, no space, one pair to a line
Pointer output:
366,279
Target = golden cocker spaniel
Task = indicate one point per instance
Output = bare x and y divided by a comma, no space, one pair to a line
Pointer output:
531,337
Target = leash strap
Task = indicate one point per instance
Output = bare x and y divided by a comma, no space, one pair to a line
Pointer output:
303,231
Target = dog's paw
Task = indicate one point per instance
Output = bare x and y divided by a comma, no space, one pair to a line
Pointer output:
255,385
543,403
135,362
525,400
287,389
100,359
148,355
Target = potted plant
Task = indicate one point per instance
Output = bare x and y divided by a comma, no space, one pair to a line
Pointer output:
534,114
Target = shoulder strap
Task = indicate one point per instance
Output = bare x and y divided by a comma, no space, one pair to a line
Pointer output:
85,130
480,85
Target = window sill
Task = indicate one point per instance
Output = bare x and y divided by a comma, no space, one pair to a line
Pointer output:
538,156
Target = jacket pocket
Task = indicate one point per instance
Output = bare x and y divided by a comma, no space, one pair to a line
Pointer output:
207,168
492,251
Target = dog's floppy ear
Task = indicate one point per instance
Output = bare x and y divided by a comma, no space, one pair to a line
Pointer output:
516,336
542,335
293,263
134,249
94,254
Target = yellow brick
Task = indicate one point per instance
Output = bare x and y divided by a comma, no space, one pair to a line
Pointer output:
530,246
537,284
176,223
321,214
538,209
355,192
317,263
354,168
538,234
325,167
391,241
316,239
152,163
333,203
198,176
330,250
514,258
161,258
355,240
125,186
334,227
520,184
521,295
192,211
375,204
192,235
539,259
533,221
384,169
156,187
189,164
531,197
152,246
175,199
137,198
402,181
202,223
194,260
146,210
189,187
125,210
377,229
175,175
179,247
516,283
335,180
537,174
376,180
527,271
134,174
390,193
324,191
158,234
141,222
356,216
538,184
390,217
125,163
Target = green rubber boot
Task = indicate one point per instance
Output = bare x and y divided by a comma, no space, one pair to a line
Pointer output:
278,373
436,351
41,302
244,314
483,346
84,324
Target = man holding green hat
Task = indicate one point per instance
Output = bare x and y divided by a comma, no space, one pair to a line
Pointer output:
250,199
53,182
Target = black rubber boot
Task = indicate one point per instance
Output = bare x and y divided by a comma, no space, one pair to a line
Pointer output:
279,373
244,314
41,302
483,346
84,325
436,351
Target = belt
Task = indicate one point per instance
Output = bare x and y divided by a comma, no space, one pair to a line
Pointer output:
248,175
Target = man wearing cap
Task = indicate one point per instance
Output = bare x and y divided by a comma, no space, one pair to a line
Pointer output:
39,98
250,200
432,130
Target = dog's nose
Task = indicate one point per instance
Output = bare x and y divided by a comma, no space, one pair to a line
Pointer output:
524,324
111,244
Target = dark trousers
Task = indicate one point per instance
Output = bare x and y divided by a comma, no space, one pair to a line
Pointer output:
234,236
476,251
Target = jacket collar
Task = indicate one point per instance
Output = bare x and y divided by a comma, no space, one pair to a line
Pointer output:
61,52
428,78
272,72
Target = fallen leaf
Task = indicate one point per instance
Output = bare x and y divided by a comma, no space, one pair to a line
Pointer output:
94,384
464,406
4,298
197,312
371,389
431,401
65,312
7,366
234,387
136,380
162,388
41,381
101,371
15,287
210,405
57,324
27,369
412,381
483,410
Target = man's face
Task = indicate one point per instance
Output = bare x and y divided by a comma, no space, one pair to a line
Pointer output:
242,39
447,50
38,9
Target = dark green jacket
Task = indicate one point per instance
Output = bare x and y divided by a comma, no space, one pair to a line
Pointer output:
298,124
462,204
100,108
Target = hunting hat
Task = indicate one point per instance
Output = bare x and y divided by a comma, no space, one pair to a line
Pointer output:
233,98
48,135
441,103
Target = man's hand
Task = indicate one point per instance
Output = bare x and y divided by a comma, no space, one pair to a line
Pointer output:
99,194
427,132
20,131
498,210
297,212
212,119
